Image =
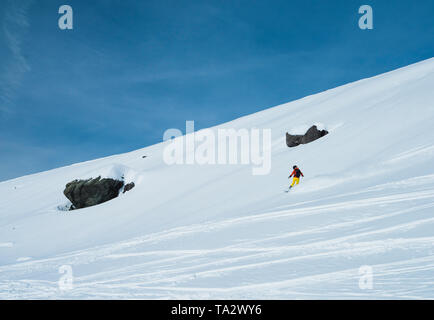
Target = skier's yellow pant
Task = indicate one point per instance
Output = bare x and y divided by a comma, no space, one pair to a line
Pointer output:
295,181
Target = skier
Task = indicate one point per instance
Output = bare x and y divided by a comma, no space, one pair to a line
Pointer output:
296,173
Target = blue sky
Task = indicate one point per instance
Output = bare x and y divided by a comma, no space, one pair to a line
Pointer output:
129,70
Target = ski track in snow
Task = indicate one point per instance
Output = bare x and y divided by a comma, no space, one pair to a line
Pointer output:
182,273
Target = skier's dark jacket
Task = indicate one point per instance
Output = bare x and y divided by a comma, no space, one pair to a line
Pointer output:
296,173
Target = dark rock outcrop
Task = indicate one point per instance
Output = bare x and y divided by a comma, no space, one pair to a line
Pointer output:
293,140
311,135
129,186
87,193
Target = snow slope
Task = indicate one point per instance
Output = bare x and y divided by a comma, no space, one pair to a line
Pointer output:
217,231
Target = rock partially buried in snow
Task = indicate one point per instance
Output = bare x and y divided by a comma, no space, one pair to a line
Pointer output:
293,140
90,192
129,186
311,135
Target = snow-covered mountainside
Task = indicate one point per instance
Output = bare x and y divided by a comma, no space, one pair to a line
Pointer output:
218,231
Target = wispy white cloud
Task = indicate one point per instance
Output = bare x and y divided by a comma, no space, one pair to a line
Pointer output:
15,23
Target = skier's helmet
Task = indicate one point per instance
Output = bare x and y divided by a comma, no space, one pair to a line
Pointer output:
294,167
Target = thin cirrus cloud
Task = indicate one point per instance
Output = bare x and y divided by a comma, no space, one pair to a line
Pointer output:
14,27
